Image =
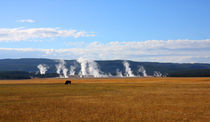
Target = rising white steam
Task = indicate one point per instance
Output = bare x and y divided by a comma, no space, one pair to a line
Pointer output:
128,71
157,74
61,69
109,75
72,70
42,68
89,67
143,71
93,69
119,73
83,64
65,71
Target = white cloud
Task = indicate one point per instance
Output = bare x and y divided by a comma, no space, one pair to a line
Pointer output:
153,50
20,34
26,21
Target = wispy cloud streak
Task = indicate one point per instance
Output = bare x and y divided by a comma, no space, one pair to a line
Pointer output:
23,34
26,21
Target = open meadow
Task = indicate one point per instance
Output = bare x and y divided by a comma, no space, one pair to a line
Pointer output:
105,99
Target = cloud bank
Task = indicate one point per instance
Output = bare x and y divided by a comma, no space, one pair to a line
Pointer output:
21,34
189,51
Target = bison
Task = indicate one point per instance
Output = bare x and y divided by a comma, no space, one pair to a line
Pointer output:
68,82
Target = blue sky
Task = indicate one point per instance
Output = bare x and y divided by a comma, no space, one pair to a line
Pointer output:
142,30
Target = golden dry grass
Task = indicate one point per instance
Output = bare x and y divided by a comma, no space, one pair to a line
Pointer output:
116,99
176,80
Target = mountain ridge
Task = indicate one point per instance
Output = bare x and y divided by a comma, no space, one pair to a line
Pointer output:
106,66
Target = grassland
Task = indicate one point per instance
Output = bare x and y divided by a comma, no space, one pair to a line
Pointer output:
116,99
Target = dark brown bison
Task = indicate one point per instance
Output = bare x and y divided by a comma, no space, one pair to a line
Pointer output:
68,82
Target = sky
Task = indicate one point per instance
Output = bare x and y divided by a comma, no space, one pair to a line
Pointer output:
140,30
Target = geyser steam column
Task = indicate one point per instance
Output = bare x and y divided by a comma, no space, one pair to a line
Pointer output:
143,71
42,68
62,69
83,64
89,68
72,70
128,72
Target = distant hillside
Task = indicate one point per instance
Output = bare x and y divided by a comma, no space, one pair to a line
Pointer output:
191,73
105,66
15,75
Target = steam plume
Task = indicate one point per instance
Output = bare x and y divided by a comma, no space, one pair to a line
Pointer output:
89,67
93,68
42,68
142,70
72,70
157,74
128,72
119,73
83,63
65,71
62,69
